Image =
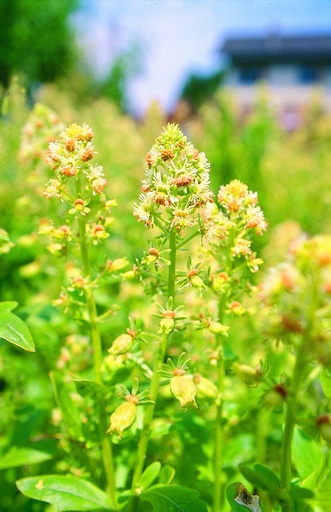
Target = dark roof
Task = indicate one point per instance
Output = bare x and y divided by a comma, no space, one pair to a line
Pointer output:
259,50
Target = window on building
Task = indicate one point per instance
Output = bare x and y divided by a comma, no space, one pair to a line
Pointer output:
250,75
309,75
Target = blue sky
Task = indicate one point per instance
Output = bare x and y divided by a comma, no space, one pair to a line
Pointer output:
178,37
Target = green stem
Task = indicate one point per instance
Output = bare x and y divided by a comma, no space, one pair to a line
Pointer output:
172,266
290,417
219,434
218,454
262,431
154,386
152,274
106,449
145,434
184,242
299,370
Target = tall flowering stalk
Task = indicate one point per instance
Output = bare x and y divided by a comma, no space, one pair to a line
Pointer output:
175,188
297,296
79,185
228,226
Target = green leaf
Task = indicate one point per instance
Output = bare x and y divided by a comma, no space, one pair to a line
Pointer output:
166,475
173,498
149,475
13,329
320,482
8,305
29,454
306,454
325,377
65,492
4,235
89,386
261,477
70,413
268,474
301,493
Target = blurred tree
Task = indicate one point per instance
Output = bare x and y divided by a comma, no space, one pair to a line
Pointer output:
115,85
36,39
200,88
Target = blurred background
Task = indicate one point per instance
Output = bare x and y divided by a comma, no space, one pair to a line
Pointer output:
137,51
249,82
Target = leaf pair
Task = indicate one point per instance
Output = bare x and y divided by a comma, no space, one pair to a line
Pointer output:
265,479
73,493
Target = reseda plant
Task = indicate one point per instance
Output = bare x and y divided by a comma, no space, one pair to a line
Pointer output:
228,226
79,185
297,295
177,183
180,356
175,199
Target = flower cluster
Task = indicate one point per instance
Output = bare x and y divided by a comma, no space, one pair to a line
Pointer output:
297,296
70,157
42,128
80,184
237,216
177,179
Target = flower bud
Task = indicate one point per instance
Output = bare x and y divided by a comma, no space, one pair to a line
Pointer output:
275,396
63,300
122,418
30,270
153,255
130,274
117,264
197,282
121,345
205,387
218,328
55,249
236,308
323,424
194,279
112,364
247,373
184,389
167,323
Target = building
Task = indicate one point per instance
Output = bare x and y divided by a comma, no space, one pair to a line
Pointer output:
289,65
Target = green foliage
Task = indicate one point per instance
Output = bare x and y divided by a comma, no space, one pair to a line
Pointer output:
36,39
114,86
63,395
33,453
65,492
13,329
319,481
149,475
236,147
246,352
199,88
173,498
